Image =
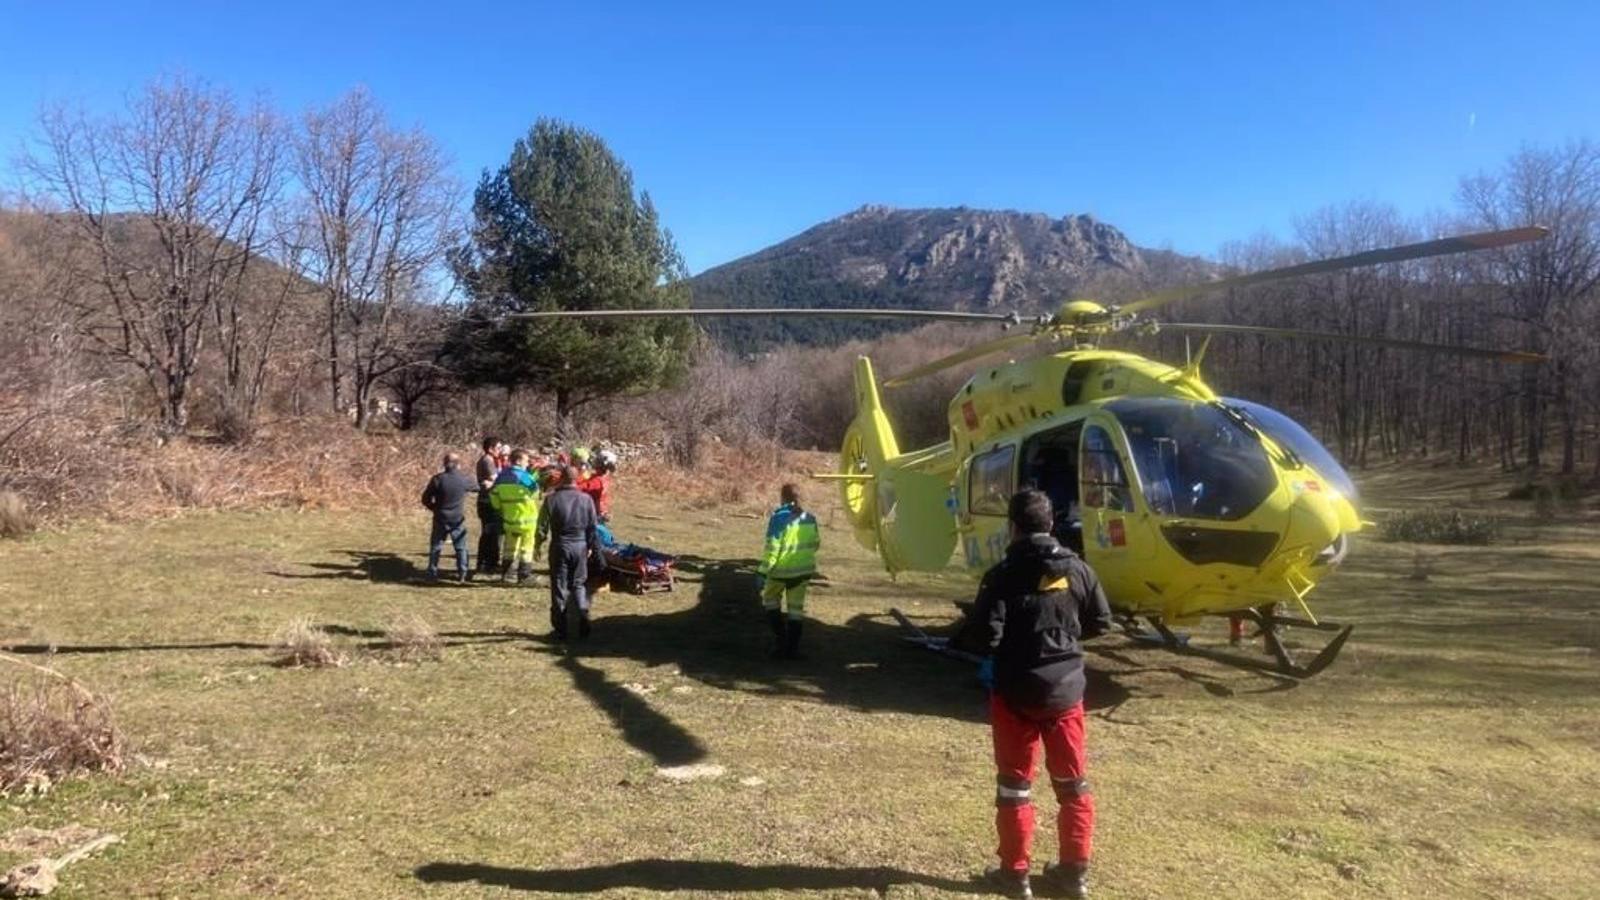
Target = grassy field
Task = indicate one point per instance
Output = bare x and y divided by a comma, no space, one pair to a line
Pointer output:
1453,751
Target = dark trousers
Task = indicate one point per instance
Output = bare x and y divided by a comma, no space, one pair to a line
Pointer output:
569,569
490,531
457,533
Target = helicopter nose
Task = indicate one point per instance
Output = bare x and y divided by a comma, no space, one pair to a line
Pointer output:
1314,525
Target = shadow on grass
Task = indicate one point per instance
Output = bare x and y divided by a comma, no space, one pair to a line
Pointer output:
686,875
667,742
724,641
364,565
371,640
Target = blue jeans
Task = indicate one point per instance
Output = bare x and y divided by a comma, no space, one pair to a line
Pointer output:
457,532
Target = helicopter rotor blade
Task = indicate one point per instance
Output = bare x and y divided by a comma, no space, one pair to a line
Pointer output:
976,351
1509,356
810,312
1460,243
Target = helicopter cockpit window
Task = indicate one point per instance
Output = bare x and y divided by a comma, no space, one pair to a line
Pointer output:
1104,483
1193,458
1292,435
992,482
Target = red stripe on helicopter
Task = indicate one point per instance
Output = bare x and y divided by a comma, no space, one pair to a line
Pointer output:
970,414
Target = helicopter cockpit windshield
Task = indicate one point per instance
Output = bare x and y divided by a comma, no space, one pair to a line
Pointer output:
1292,435
1194,459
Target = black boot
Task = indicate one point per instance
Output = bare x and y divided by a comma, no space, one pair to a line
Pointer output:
775,622
524,572
791,639
1010,883
505,572
583,625
1069,881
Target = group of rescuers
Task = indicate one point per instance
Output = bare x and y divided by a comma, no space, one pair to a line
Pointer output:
1033,608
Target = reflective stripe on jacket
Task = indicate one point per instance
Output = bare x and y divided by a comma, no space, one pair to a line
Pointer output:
515,496
792,542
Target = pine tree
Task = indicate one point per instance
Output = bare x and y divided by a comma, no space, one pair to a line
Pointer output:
560,227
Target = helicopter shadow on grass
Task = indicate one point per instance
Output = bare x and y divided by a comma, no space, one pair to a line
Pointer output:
723,641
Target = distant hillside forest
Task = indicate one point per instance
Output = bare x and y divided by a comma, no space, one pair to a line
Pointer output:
195,267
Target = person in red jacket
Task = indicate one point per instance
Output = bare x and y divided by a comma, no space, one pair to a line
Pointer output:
1036,604
597,482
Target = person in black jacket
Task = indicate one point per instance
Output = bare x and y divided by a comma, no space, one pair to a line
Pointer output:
1036,605
568,520
446,497
490,528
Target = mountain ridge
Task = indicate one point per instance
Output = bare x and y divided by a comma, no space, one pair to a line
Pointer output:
956,258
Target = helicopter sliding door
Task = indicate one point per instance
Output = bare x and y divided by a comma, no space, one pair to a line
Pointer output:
1118,537
1050,464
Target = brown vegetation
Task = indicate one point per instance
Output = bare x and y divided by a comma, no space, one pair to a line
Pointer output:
302,644
411,639
51,728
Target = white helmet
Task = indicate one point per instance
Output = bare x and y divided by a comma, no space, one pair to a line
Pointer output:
606,460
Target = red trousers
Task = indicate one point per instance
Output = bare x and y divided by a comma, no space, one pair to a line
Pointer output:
1017,737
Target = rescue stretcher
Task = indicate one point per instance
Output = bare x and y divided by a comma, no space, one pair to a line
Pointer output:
630,568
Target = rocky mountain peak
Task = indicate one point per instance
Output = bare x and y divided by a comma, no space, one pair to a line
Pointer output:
951,258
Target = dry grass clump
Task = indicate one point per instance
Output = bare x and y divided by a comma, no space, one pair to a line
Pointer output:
15,517
51,728
1438,526
302,644
411,639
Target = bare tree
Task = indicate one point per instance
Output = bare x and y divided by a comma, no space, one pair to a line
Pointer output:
379,217
170,195
1546,281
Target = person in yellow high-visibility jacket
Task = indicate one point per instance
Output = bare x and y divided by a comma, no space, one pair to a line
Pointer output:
515,498
788,564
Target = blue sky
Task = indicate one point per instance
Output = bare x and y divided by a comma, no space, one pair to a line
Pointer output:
1185,124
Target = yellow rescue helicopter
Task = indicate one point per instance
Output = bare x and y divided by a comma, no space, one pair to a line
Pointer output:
1185,502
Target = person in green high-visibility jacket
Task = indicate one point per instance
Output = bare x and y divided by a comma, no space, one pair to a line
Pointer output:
787,565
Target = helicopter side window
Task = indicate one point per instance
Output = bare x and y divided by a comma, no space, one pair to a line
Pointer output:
1105,484
991,482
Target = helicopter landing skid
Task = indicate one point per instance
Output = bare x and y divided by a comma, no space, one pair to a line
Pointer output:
922,639
1268,621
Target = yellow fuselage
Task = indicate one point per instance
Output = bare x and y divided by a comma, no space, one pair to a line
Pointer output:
1157,504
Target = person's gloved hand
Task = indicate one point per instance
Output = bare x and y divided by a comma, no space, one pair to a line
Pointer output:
986,673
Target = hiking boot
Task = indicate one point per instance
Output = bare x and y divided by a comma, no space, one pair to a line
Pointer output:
463,577
776,623
584,629
791,639
1010,883
1069,880
505,574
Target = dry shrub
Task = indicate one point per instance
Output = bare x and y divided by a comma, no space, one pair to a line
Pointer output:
1438,526
302,644
52,728
411,639
15,517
